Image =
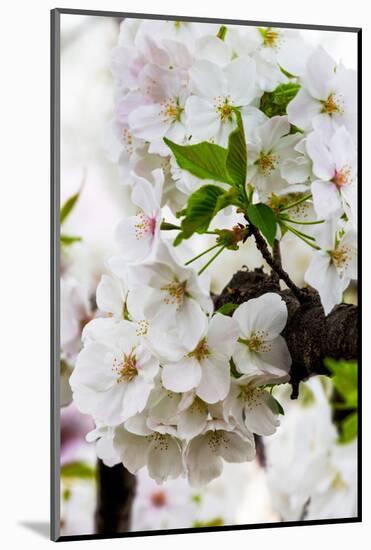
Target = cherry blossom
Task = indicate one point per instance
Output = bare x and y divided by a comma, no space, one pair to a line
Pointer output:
327,96
113,378
334,164
334,265
205,368
205,453
138,235
261,350
216,92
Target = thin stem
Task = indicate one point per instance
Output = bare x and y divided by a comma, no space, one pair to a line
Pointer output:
299,201
302,237
298,222
275,265
276,252
201,254
166,226
211,260
297,232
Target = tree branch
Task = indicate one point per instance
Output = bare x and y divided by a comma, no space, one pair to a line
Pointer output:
275,264
115,495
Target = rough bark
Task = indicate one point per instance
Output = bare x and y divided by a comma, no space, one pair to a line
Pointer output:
310,335
115,495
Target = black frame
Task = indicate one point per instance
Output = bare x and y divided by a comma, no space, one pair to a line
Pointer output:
55,260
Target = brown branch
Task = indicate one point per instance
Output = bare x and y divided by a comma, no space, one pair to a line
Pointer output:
115,495
310,335
276,266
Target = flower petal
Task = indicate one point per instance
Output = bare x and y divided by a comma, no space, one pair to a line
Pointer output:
222,334
181,376
164,458
132,449
215,380
202,464
237,449
268,313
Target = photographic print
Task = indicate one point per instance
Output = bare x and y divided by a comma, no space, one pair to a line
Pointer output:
205,298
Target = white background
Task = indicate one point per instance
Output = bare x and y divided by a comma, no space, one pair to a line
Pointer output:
24,313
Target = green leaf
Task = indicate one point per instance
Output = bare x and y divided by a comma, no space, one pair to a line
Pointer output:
264,219
222,32
227,309
79,470
204,160
200,210
236,162
68,206
67,240
275,103
275,406
216,522
345,380
349,428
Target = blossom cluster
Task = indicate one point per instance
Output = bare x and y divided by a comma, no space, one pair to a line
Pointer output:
171,383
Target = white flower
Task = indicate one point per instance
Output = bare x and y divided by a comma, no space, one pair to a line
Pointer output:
286,48
260,349
164,116
103,436
192,415
219,440
160,452
206,368
263,50
332,268
217,91
111,296
165,287
138,235
167,507
327,97
114,376
250,406
74,310
335,166
270,148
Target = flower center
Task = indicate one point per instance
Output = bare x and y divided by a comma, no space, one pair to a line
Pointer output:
158,498
333,104
126,369
175,293
267,162
127,140
145,226
217,439
160,441
201,351
271,38
171,110
250,396
338,482
340,256
343,177
223,108
256,342
142,327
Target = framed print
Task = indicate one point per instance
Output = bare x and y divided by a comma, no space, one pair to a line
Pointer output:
205,298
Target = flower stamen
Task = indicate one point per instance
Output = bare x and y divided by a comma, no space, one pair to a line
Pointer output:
267,162
175,293
127,368
201,351
334,104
